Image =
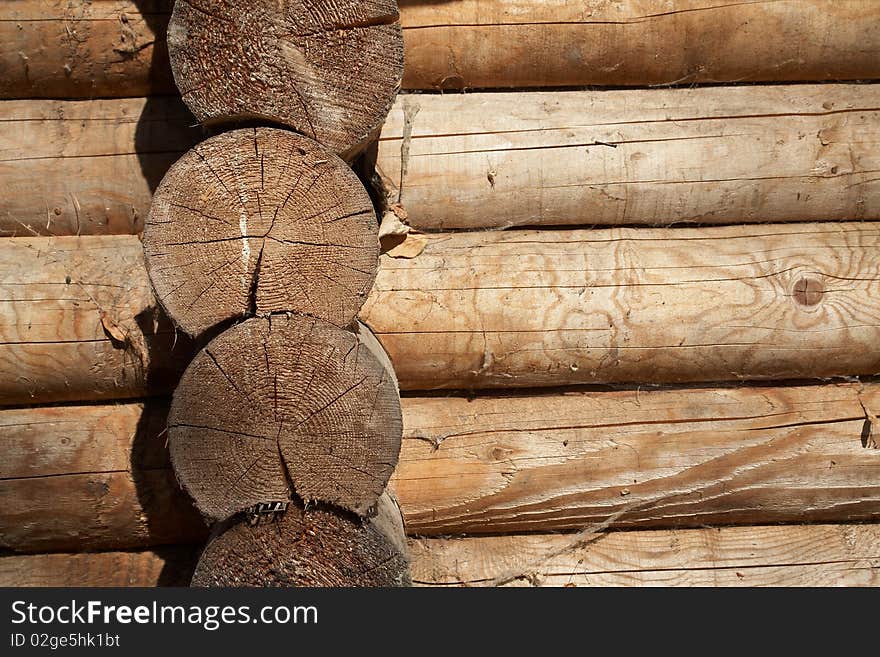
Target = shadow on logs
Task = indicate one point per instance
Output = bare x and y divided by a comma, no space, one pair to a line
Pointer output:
167,513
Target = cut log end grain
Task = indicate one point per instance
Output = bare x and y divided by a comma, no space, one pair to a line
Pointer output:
257,221
328,69
312,547
282,405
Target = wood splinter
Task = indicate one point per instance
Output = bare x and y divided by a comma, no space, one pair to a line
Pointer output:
329,69
285,405
257,221
310,547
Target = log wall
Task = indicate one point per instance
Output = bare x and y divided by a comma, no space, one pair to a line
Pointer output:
627,157
492,464
819,555
489,310
787,295
117,48
78,321
657,156
544,308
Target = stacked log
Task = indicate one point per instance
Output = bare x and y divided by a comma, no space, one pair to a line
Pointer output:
80,323
260,221
82,49
489,310
87,167
285,427
635,42
506,462
726,556
329,70
663,156
717,366
117,48
635,157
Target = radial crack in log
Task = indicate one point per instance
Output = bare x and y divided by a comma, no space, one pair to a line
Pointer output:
284,405
328,69
310,547
258,221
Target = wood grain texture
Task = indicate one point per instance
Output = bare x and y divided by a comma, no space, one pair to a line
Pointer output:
657,156
84,49
665,458
90,478
549,308
523,43
498,464
259,221
819,555
89,167
171,566
493,310
329,69
650,156
310,547
116,48
78,321
811,555
282,406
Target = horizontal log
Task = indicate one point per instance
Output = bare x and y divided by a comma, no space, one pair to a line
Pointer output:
818,555
549,308
664,458
521,43
660,156
490,310
90,167
116,48
91,478
78,321
170,566
494,464
84,49
809,555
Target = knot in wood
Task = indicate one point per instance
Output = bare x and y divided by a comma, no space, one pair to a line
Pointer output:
808,291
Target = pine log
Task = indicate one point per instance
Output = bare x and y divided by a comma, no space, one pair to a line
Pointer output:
550,308
116,48
71,168
281,406
169,566
660,156
665,458
525,462
798,555
84,48
78,321
541,43
329,69
90,478
260,221
494,310
312,547
819,555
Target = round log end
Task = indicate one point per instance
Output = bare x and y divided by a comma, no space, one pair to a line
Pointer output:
257,221
329,69
280,406
305,548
